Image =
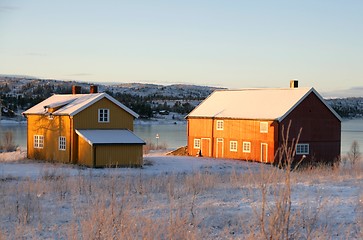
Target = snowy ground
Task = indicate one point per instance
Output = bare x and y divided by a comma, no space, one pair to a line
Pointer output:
175,197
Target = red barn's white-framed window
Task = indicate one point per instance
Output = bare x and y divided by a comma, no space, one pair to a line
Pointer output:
62,143
220,124
302,148
38,141
233,146
263,127
197,143
103,115
246,147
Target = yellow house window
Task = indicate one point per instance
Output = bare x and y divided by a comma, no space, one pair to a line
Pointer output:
103,115
62,143
38,141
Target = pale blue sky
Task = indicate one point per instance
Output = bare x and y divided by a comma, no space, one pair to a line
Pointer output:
234,44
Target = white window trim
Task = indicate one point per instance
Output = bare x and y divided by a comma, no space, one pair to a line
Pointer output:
244,148
62,143
220,124
302,149
103,110
196,143
233,146
38,141
263,127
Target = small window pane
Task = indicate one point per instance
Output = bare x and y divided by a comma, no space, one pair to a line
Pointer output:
233,146
263,127
246,147
197,143
62,143
103,115
220,124
38,141
302,148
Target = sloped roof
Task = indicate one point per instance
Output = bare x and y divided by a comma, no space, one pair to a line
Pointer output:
71,104
261,103
109,136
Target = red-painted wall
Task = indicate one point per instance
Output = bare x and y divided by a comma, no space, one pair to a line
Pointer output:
321,129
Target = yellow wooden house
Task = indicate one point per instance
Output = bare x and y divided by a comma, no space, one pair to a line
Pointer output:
92,129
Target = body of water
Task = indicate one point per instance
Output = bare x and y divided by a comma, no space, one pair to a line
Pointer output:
174,135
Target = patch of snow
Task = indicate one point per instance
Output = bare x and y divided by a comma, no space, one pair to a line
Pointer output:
226,206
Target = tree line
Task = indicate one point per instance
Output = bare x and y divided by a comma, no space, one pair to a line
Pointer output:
145,106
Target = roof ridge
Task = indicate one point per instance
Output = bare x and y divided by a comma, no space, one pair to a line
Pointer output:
249,89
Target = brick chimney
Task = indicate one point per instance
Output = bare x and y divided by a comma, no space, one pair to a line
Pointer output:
93,89
294,83
76,89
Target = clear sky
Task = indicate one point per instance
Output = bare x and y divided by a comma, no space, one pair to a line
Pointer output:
234,44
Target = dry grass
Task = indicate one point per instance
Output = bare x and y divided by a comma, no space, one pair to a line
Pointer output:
149,146
271,203
176,206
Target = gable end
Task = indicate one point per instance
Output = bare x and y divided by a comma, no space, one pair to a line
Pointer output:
311,91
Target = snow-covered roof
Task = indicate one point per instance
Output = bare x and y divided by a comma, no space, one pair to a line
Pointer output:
109,136
261,103
71,104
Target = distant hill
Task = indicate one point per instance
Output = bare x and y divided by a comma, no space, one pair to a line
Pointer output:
18,93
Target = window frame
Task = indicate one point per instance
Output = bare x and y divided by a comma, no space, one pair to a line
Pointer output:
220,125
38,141
233,146
263,127
302,149
62,143
196,143
103,112
244,149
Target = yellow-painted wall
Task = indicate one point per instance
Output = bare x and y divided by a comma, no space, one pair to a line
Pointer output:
85,153
51,129
88,118
118,155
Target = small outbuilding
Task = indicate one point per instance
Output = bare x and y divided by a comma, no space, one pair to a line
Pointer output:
109,148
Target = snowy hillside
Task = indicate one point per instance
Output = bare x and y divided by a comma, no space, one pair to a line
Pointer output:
19,93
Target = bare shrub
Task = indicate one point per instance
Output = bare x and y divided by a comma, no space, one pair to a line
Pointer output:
273,214
149,146
354,154
7,144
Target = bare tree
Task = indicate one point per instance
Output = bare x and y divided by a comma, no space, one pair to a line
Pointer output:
354,153
8,142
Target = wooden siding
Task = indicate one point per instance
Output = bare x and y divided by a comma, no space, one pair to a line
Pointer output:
88,118
51,129
85,155
320,129
233,130
118,155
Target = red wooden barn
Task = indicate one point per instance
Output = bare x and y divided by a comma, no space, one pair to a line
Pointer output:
247,124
